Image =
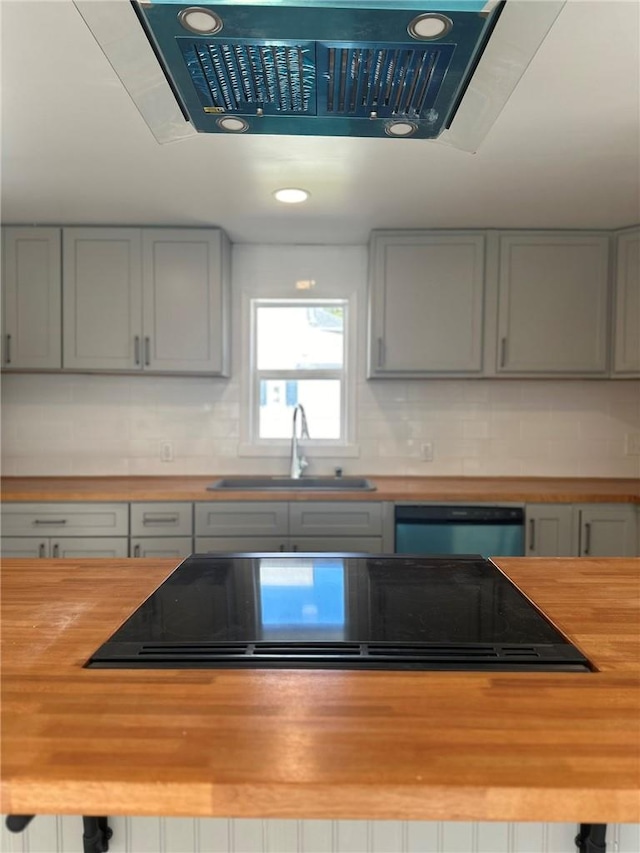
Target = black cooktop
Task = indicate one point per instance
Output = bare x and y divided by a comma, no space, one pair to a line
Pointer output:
336,611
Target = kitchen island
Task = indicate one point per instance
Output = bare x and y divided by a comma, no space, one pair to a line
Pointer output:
317,744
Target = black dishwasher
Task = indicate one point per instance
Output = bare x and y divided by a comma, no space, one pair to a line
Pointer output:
492,531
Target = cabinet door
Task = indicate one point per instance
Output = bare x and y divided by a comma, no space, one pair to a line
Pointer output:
426,303
552,315
185,300
73,548
102,301
338,544
549,530
32,330
162,546
161,519
626,353
607,531
240,544
24,546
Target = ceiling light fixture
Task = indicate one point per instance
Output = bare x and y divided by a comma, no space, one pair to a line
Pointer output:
429,26
234,125
201,21
291,195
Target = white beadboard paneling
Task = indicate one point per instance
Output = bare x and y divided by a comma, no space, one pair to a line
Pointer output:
247,836
63,834
317,836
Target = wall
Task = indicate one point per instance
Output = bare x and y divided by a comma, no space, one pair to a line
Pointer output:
113,425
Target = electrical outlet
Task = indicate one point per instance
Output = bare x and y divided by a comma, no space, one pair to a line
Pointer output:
166,451
632,444
427,451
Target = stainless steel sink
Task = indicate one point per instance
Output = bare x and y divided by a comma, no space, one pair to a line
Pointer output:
292,484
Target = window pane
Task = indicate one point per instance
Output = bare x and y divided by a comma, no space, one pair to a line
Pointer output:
321,401
300,337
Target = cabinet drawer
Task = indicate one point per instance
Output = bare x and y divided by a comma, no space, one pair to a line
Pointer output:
348,518
242,518
67,519
161,519
240,544
163,546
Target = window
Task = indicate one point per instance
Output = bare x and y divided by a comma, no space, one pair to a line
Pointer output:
298,355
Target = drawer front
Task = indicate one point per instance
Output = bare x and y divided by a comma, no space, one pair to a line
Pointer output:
242,518
240,544
65,519
79,547
338,544
350,518
163,546
161,519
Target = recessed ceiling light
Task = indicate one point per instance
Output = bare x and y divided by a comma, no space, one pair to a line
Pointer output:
291,195
429,26
235,125
199,20
400,128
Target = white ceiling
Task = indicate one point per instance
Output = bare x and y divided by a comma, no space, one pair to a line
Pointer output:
564,153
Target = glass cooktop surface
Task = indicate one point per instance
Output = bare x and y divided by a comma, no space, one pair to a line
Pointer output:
337,611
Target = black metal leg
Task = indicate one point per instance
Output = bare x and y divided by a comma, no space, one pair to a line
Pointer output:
18,822
591,838
97,833
95,837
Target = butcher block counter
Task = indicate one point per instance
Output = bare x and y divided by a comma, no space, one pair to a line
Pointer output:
316,744
476,489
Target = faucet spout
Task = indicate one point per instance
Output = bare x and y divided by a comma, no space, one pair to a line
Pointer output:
298,461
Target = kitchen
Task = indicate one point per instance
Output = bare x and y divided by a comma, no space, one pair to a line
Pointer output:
84,425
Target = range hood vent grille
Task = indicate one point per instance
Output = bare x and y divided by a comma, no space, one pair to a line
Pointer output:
321,79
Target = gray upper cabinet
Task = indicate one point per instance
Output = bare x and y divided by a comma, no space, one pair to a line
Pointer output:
151,300
426,294
185,300
31,293
102,302
553,304
626,333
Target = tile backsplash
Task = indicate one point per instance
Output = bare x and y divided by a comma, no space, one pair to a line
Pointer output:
114,425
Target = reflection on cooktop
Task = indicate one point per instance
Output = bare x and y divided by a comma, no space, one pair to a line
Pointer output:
332,610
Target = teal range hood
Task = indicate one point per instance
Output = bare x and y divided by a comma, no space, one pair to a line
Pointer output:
364,68
413,69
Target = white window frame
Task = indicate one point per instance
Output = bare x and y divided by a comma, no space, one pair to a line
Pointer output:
258,375
250,443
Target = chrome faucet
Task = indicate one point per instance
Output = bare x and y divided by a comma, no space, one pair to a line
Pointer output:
298,461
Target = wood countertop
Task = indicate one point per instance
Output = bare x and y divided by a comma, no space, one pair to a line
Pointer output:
476,489
316,744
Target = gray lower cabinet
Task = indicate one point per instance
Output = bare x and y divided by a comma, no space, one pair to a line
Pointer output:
297,526
66,547
161,546
607,530
71,530
549,530
161,529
